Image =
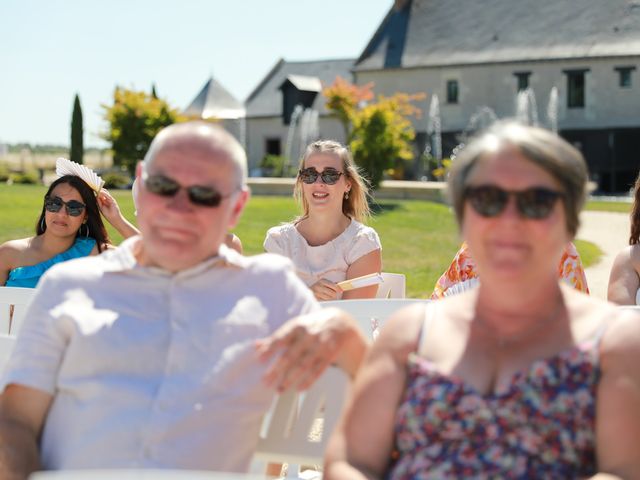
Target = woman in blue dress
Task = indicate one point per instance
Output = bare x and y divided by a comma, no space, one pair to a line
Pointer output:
69,226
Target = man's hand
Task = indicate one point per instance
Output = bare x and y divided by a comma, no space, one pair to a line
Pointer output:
305,346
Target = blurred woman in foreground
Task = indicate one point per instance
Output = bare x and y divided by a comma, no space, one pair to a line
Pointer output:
522,377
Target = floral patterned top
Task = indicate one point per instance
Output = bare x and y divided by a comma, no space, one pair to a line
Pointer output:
542,426
463,268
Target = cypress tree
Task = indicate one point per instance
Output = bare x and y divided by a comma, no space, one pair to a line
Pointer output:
77,144
153,91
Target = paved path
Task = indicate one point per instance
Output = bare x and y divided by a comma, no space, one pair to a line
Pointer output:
610,232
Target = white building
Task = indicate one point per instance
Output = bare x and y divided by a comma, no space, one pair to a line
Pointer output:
474,54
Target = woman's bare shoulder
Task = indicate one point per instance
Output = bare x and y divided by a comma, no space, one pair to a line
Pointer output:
11,251
400,333
18,245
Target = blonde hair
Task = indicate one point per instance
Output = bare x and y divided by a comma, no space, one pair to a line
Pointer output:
357,205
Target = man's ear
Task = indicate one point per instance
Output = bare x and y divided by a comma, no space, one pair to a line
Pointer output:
238,207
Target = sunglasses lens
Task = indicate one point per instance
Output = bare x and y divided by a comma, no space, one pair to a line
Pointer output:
308,175
161,185
204,196
487,201
536,202
330,177
53,204
75,208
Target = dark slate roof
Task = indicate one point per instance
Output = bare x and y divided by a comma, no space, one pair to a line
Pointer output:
214,101
303,83
424,33
266,98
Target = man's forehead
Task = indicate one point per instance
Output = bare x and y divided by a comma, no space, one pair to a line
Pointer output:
183,151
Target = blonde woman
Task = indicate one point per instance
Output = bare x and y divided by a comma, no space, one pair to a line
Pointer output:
329,242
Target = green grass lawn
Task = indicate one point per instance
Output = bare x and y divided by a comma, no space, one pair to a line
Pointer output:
418,238
622,207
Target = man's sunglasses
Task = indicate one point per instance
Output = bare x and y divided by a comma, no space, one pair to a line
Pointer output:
329,175
533,203
74,208
168,187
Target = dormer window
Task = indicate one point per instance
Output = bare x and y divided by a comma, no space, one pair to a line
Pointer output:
298,90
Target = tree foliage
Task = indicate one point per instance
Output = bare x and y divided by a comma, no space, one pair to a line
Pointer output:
344,99
134,120
379,133
77,132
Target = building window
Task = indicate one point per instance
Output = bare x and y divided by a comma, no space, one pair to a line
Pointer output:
452,91
523,80
575,88
273,146
624,76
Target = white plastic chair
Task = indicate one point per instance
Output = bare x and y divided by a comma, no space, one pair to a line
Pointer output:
371,313
7,342
140,474
291,433
635,308
393,286
17,297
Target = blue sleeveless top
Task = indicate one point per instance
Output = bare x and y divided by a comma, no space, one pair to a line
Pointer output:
29,275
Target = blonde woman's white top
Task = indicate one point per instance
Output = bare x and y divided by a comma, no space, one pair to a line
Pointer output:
330,260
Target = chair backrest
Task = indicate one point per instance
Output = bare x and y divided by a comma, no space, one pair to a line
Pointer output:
7,342
393,286
292,433
13,304
371,313
140,474
635,308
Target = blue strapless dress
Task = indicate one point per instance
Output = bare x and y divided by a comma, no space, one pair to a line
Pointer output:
28,276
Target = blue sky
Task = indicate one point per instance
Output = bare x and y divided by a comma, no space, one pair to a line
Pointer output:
51,49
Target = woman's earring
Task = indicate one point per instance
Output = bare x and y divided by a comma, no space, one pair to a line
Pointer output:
346,195
86,234
43,225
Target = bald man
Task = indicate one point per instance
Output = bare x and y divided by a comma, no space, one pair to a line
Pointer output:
167,351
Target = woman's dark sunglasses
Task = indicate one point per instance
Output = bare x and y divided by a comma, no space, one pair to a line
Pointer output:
533,203
168,187
54,204
329,175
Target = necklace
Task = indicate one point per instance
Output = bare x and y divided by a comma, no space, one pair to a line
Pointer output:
506,340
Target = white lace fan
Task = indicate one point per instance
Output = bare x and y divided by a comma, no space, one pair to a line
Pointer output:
67,167
462,287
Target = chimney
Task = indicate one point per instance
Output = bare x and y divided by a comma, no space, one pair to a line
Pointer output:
399,4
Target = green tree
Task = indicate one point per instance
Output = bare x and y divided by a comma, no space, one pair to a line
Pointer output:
134,119
77,132
344,99
379,133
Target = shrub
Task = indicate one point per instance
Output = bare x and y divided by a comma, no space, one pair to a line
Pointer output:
4,173
116,180
273,165
29,177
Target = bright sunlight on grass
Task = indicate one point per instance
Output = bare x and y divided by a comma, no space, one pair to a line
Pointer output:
418,238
